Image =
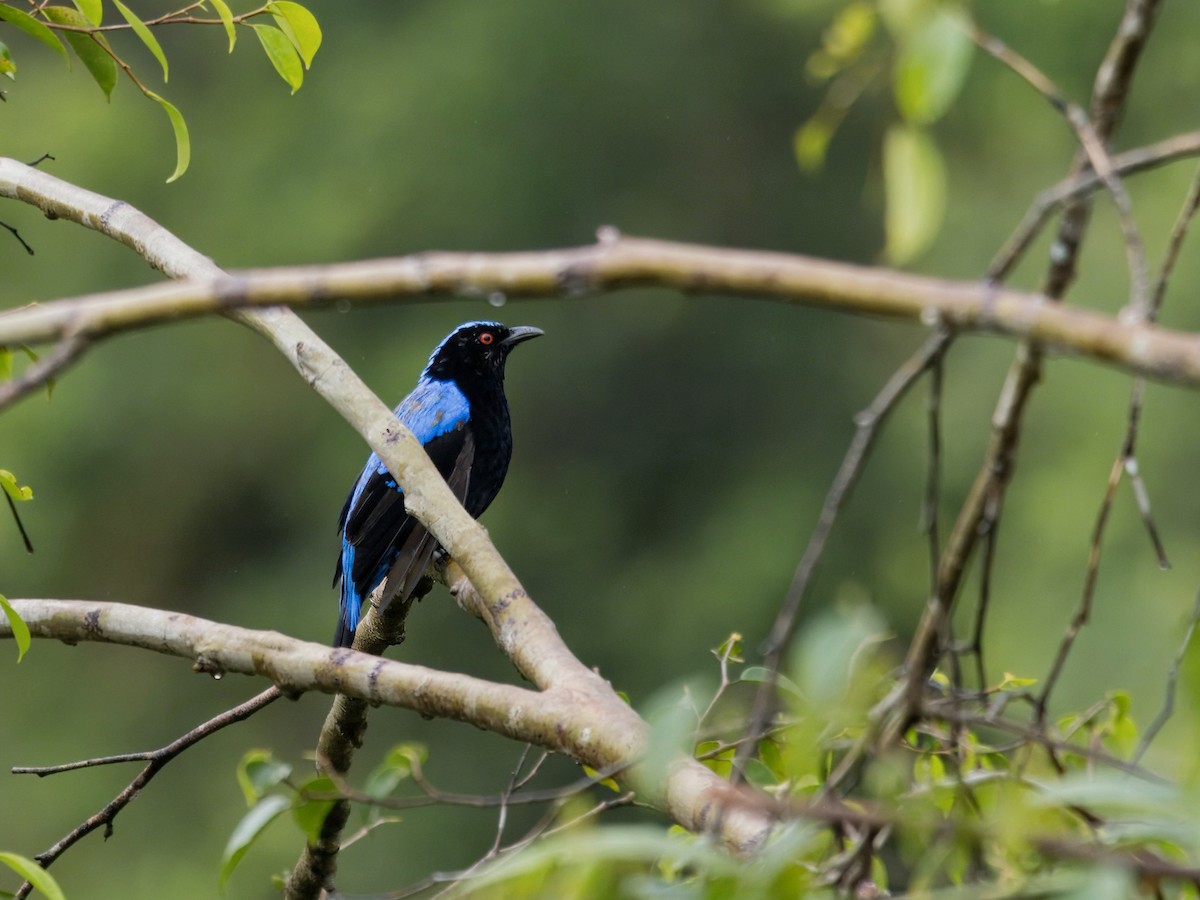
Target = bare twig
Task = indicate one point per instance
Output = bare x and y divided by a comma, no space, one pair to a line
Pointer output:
986,495
20,240
158,759
20,525
1097,154
1080,185
867,426
47,367
1168,706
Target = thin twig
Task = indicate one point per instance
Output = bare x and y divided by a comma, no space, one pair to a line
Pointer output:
20,525
11,230
1080,185
867,424
1168,706
1094,146
42,372
158,759
1109,92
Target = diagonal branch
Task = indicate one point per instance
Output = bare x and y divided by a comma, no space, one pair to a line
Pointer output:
157,760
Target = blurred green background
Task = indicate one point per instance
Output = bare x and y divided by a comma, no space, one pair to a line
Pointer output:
671,452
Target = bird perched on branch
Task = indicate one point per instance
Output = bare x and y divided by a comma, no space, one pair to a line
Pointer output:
459,413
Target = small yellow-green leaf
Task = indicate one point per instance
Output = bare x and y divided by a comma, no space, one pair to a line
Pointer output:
33,28
300,25
607,782
6,358
914,187
844,39
1010,681
89,48
93,10
226,15
8,481
282,54
140,29
7,66
932,66
248,831
19,629
810,142
41,880
183,144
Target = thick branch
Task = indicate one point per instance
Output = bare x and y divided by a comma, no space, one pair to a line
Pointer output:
593,726
1159,353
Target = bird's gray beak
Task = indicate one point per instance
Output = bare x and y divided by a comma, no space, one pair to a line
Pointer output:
520,333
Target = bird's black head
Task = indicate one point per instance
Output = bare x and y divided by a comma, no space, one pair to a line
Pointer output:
476,351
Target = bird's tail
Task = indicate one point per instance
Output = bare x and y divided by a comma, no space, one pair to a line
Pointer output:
351,601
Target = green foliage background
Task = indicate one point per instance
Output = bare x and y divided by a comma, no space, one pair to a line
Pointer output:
671,452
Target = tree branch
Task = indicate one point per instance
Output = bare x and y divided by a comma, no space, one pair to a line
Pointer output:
587,722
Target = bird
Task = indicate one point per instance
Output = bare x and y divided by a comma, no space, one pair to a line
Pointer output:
459,413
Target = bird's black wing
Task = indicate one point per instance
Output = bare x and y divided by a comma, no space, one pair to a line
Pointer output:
382,533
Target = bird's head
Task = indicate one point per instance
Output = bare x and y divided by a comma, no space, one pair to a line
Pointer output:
477,350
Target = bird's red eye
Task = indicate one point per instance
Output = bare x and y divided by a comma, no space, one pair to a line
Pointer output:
486,338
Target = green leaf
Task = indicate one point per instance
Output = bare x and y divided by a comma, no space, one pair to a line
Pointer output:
183,144
7,66
19,629
93,10
140,29
932,65
607,782
6,358
226,15
914,186
310,814
89,48
759,674
282,54
33,873
33,28
396,767
258,772
300,26
8,481
253,824
1010,681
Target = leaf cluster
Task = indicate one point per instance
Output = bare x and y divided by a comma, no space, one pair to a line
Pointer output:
290,41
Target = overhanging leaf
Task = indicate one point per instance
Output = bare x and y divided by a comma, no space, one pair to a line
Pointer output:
89,49
34,29
226,15
93,10
33,873
19,629
282,54
183,144
300,25
914,187
140,29
248,830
